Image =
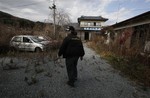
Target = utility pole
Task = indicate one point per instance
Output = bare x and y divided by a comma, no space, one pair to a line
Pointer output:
53,7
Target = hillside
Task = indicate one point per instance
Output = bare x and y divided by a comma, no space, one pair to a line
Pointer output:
11,20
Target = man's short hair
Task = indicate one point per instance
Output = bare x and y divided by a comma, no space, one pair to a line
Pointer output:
70,28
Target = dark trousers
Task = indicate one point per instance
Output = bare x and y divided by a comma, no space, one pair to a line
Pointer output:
71,65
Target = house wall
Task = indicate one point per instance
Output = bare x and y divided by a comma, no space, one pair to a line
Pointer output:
141,35
91,27
81,34
136,36
133,33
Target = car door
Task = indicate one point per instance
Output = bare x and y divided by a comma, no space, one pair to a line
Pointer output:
27,44
17,43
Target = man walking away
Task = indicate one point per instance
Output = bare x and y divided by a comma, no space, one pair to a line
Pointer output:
72,49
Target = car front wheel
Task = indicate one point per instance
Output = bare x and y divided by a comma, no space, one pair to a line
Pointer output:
38,50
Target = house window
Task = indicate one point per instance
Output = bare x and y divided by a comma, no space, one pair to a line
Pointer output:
89,24
82,23
94,23
85,24
98,24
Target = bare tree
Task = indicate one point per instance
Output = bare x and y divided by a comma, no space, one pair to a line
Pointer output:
62,18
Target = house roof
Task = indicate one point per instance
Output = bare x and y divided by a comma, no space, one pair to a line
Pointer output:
134,21
92,18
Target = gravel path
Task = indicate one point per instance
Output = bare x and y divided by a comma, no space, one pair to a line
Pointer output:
47,79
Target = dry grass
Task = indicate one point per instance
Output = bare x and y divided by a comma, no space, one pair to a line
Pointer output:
129,62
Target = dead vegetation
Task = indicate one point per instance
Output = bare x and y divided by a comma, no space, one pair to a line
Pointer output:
33,64
128,61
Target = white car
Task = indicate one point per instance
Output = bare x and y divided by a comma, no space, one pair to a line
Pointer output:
29,43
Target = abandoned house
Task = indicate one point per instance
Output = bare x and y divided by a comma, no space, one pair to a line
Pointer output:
134,32
88,25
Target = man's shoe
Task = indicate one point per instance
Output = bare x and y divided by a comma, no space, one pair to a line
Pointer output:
70,84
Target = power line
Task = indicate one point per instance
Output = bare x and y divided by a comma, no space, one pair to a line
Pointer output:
5,1
35,3
27,4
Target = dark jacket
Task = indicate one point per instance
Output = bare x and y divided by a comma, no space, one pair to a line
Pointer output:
71,47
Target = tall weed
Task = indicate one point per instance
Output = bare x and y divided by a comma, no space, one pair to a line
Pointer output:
128,61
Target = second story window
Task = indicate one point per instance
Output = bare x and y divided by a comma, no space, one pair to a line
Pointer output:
98,24
85,24
94,23
89,24
82,24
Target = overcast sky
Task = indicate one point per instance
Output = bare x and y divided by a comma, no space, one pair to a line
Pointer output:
114,10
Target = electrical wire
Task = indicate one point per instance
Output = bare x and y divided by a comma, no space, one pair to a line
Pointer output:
35,3
29,4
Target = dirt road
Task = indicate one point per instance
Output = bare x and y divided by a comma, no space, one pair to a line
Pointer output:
47,79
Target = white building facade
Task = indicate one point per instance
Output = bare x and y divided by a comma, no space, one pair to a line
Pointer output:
88,25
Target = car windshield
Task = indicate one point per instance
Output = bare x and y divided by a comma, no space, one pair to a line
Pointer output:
36,39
